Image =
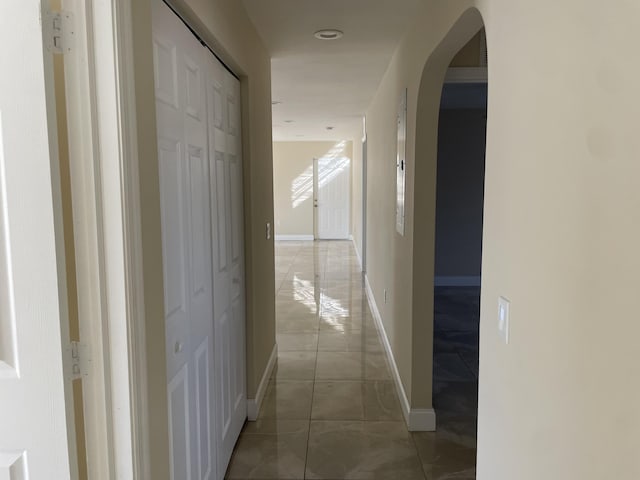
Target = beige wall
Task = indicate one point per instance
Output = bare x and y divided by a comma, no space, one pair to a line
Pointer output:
293,183
226,27
469,55
560,230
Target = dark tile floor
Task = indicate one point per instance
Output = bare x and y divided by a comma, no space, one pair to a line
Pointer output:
455,389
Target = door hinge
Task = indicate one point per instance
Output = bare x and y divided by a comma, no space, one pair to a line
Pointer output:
79,360
59,32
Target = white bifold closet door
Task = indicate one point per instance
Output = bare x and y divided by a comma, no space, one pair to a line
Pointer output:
198,114
223,106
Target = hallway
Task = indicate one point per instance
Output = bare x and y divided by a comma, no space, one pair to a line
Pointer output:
331,410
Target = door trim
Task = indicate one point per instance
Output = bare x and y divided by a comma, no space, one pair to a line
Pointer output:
364,203
106,204
82,116
315,199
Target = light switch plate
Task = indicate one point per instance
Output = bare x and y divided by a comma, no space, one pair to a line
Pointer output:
503,319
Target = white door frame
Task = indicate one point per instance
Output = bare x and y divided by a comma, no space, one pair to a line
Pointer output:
106,214
364,203
315,199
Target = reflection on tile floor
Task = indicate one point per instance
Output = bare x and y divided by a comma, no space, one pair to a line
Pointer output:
331,410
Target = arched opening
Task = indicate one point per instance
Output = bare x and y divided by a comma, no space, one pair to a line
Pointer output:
458,250
449,180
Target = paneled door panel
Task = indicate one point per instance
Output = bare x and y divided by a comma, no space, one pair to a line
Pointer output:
228,266
204,410
179,425
36,426
220,232
183,155
172,210
200,248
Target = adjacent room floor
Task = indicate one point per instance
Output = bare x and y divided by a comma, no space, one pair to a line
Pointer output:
331,410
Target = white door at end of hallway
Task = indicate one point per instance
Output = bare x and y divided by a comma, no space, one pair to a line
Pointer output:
332,197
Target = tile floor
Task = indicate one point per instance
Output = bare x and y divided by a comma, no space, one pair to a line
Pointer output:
331,410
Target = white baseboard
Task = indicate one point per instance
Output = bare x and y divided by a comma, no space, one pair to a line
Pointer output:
422,420
355,247
294,238
460,281
418,419
254,404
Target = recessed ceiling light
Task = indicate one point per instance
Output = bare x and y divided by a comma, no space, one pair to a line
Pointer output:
329,128
288,121
276,102
328,34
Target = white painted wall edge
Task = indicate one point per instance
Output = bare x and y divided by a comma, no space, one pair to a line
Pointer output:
293,238
355,247
418,419
460,281
254,404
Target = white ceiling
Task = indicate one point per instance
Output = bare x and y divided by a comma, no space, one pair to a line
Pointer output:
327,83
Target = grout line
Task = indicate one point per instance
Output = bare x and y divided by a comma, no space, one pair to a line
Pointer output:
313,388
415,446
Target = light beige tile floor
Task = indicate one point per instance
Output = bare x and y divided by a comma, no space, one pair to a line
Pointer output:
331,409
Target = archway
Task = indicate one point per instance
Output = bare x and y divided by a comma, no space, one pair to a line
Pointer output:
425,235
